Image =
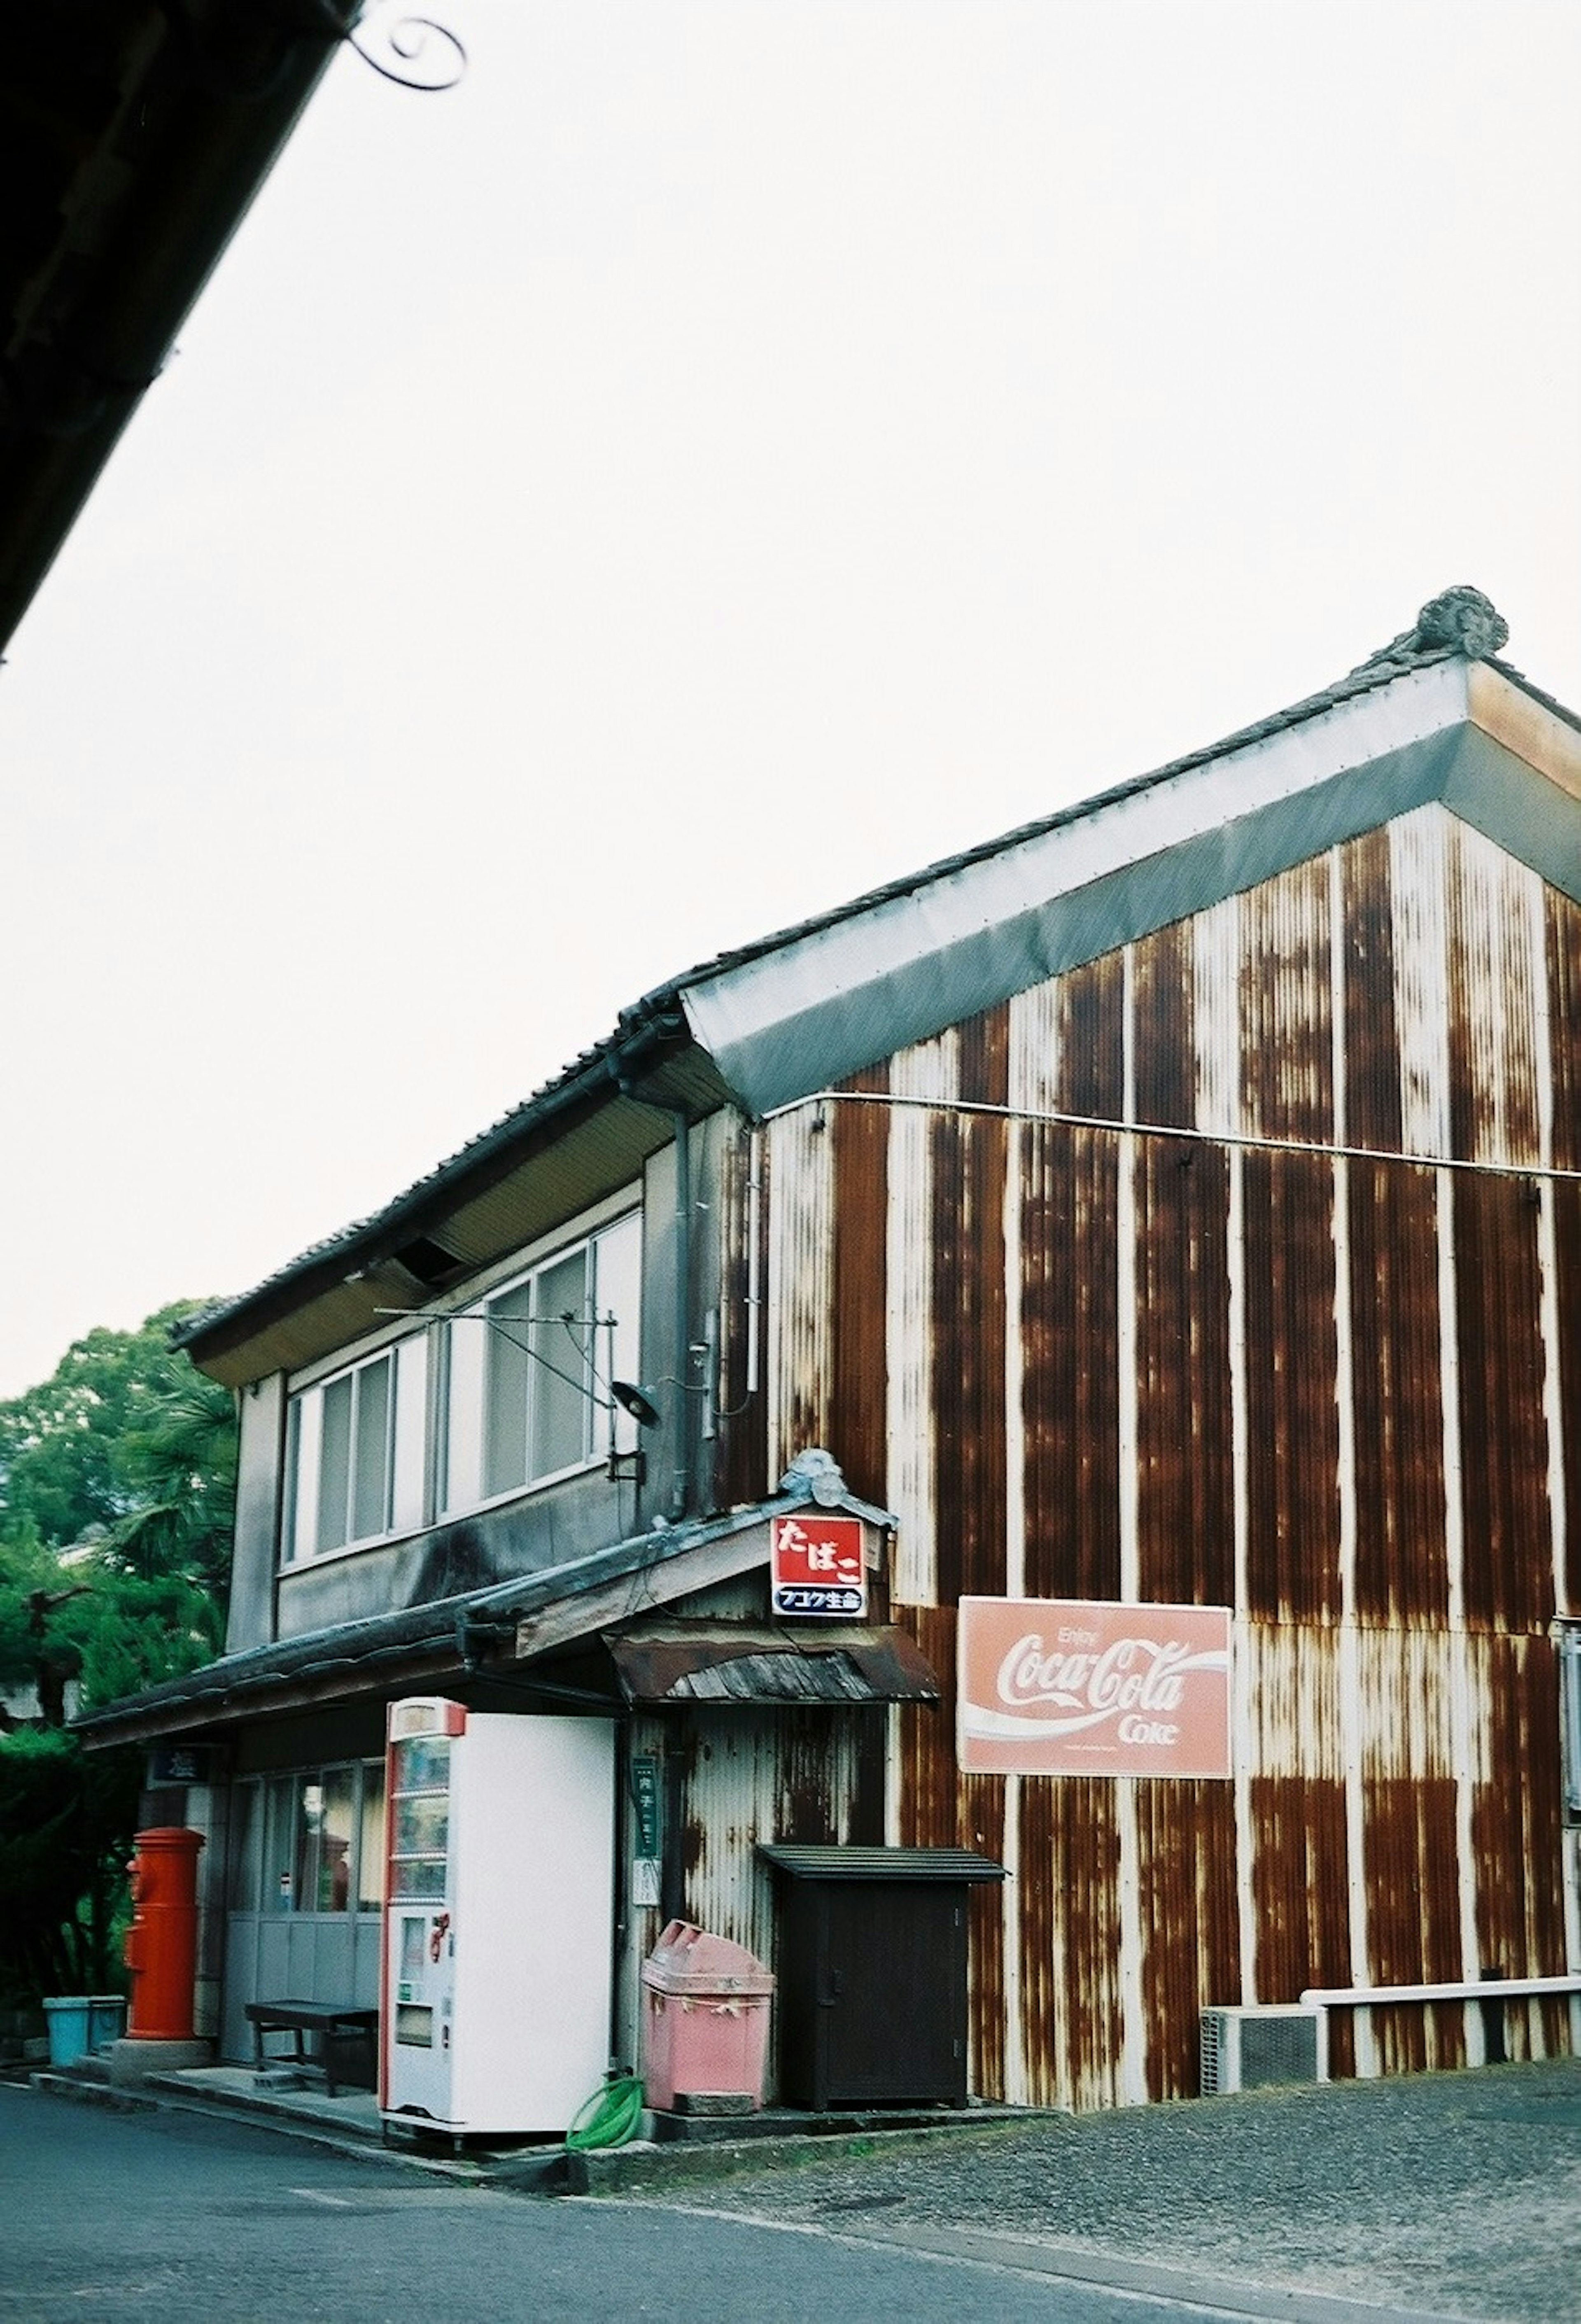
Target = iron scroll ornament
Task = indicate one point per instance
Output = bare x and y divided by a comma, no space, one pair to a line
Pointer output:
413,52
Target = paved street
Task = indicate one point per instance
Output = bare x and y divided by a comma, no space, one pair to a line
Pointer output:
110,2217
1448,2194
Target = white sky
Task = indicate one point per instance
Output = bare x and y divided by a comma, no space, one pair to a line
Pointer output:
717,459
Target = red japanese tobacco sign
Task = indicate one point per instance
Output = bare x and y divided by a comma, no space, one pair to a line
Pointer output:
816,1564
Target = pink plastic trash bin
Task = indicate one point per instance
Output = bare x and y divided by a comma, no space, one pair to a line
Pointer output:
705,2023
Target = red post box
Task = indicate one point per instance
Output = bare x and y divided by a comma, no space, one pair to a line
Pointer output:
161,1944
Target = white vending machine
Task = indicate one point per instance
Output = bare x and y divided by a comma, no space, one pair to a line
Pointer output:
494,2001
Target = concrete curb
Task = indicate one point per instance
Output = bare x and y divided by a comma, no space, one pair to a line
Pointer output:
629,2170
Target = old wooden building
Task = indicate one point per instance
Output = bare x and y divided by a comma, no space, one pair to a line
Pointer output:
1175,1205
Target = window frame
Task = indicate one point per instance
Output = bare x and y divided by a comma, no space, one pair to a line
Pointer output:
472,1377
405,1437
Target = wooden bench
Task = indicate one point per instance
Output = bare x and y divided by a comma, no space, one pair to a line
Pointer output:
337,2027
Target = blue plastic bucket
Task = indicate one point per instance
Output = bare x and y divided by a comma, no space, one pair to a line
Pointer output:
106,2020
70,2017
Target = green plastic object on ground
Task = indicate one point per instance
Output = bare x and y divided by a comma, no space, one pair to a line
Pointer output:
611,2115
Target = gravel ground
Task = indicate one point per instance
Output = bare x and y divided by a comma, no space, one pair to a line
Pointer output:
1454,2194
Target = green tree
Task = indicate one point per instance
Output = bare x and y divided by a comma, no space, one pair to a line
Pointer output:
126,1445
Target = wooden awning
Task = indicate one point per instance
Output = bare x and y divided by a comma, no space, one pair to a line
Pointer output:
762,1662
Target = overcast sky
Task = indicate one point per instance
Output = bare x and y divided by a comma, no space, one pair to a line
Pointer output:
718,457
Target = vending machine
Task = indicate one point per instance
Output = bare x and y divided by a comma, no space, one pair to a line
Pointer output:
494,2001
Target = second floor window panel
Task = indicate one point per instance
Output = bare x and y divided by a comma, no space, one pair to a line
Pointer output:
354,1459
530,1369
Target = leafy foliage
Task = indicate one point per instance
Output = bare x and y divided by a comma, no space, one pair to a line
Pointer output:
66,1828
117,1488
128,1446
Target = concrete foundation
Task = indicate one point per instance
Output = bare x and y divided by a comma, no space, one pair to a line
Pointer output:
133,2059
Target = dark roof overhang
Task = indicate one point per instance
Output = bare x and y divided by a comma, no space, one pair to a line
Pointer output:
520,1631
133,137
587,1134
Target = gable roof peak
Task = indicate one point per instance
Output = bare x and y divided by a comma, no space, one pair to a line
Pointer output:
1460,620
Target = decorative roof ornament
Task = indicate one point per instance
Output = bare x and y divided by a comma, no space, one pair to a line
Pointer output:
1458,621
1464,620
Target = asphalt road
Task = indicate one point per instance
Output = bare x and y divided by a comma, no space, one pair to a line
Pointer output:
109,2215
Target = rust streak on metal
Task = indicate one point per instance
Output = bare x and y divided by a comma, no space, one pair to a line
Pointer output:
1286,1039
1509,1561
1372,1042
1412,1857
1293,1414
1299,1873
1069,1893
1518,1835
1185,1489
1563,931
1164,1070
968,1157
1186,1840
1070,1396
1401,1568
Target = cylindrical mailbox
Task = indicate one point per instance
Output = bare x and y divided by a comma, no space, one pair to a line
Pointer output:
161,1944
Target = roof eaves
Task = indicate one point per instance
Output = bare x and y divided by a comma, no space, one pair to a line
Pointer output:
466,1619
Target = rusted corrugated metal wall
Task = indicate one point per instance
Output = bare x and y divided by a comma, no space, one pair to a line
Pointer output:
1340,1394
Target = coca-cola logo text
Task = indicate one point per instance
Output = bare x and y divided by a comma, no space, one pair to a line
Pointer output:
1138,1679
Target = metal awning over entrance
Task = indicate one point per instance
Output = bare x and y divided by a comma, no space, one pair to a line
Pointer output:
756,1662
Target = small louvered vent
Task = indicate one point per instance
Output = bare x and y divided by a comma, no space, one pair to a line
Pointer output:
1258,2049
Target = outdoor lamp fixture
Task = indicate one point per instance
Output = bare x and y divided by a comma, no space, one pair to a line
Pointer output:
641,1408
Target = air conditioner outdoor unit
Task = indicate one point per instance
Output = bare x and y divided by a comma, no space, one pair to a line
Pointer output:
1256,2049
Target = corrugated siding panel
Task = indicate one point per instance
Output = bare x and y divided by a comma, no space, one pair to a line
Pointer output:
1563,931
1402,1570
1410,1840
861,1147
1517,1831
1411,1848
1287,1047
1299,1871
1163,983
792,1776
967,1237
1068,1894
741,1463
983,1812
1292,1413
1186,1876
1497,974
801,1248
1378,1815
1419,894
1373,1107
1185,1506
1092,1039
929,1070
1295,1726
930,1808
1069,1392
1508,1563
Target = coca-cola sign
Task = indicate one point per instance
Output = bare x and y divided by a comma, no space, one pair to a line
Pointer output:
1057,1686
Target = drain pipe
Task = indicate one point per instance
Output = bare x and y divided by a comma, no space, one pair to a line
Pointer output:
681,1483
